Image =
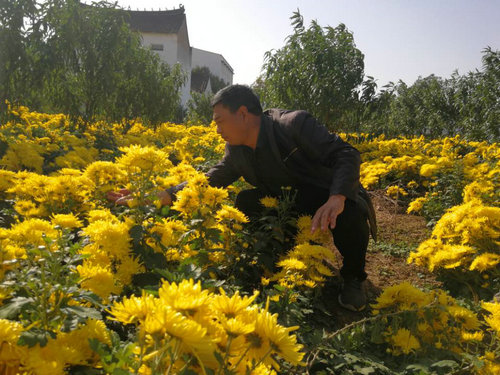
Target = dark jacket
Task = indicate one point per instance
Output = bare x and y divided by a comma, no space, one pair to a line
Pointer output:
308,152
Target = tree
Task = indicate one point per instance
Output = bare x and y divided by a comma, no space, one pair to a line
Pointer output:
199,108
84,61
216,83
318,70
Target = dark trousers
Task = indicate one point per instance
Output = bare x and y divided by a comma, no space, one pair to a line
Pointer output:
351,232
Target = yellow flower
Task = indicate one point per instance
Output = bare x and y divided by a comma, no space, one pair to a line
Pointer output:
465,317
394,191
231,214
473,336
234,305
416,205
428,170
138,159
97,279
404,341
66,221
235,327
11,355
101,214
185,297
105,175
31,232
484,262
292,264
270,337
133,309
28,208
403,296
305,236
112,237
494,319
269,202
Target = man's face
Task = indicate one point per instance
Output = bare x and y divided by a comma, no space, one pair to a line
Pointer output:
231,126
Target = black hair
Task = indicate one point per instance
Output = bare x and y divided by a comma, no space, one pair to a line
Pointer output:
234,96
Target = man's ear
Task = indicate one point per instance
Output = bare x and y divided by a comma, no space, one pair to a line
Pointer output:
243,110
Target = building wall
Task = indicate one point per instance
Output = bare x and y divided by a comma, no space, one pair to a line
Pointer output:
214,62
184,57
175,50
169,43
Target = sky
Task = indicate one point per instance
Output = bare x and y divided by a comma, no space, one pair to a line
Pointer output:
400,39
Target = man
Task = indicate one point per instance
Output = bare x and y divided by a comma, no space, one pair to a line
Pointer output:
278,148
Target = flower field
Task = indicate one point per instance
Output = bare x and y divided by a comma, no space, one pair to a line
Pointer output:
87,287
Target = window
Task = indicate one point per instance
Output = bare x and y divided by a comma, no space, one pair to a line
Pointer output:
157,47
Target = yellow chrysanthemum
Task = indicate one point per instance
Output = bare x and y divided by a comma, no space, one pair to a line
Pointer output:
232,306
228,213
186,297
269,202
404,341
494,319
133,309
66,221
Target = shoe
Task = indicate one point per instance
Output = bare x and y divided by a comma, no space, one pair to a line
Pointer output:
352,296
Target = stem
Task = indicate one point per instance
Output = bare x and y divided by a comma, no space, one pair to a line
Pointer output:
242,356
173,357
261,360
227,353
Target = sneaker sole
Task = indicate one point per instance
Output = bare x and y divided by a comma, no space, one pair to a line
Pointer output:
350,307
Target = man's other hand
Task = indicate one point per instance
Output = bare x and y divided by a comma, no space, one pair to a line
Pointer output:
120,197
165,198
327,213
123,196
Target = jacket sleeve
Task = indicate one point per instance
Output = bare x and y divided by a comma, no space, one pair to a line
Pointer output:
329,150
224,173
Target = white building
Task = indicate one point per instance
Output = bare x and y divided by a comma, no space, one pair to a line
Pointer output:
215,62
166,33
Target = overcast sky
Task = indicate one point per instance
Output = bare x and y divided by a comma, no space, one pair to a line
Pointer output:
401,39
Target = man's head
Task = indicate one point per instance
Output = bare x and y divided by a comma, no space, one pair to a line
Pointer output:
234,96
236,112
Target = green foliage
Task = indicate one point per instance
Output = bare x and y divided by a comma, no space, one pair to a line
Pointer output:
433,106
216,83
199,108
63,56
444,193
321,70
44,288
318,70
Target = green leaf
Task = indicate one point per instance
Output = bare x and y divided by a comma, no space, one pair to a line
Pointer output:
136,233
219,358
35,336
445,363
120,371
12,309
82,312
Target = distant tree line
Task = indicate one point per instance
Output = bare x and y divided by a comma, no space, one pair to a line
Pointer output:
321,70
64,56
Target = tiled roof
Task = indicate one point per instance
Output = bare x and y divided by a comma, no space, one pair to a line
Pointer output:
161,21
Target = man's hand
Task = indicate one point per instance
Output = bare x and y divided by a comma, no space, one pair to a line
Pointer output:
120,197
165,198
327,213
123,196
